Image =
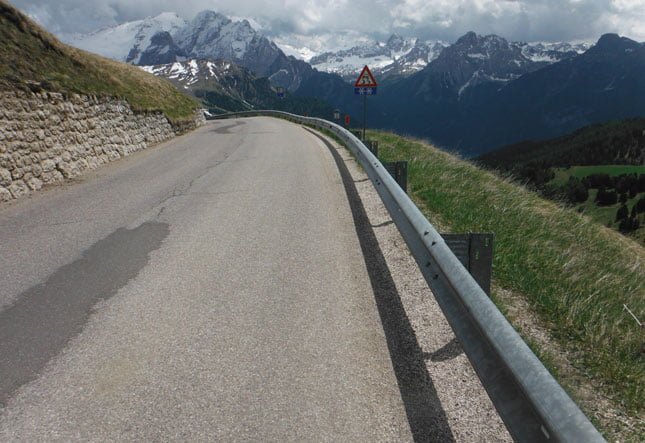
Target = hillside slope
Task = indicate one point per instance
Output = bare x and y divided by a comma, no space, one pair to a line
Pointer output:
574,275
34,59
616,142
599,170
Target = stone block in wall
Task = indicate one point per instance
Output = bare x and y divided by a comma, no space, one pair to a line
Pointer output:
5,177
17,173
34,184
36,170
18,189
5,195
48,165
52,177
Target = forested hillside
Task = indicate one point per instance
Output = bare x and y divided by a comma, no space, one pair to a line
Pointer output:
598,169
617,142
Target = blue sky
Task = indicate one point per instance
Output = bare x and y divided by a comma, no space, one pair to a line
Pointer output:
548,20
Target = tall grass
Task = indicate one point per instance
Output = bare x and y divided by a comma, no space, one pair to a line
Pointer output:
576,274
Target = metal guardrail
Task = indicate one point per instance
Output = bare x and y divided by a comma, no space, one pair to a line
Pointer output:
532,404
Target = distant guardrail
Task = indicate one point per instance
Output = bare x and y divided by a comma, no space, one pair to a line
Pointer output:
532,404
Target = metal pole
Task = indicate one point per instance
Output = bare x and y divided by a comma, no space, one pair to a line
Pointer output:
364,114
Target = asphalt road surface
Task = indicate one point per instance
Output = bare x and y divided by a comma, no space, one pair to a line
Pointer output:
211,288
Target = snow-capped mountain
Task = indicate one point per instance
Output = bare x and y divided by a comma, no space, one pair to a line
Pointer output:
125,42
221,85
396,56
476,59
213,36
399,56
168,38
484,92
551,52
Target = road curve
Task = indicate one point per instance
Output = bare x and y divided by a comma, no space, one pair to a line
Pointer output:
211,288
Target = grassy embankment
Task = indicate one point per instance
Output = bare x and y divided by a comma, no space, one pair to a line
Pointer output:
575,274
32,58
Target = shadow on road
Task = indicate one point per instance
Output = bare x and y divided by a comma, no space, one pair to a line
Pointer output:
450,350
425,413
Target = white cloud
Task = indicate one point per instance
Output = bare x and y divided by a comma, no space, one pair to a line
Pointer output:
547,20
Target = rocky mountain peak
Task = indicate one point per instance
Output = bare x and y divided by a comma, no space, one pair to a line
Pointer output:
488,43
613,43
468,39
395,42
476,59
162,49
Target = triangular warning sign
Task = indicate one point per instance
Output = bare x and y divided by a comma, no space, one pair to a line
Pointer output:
366,79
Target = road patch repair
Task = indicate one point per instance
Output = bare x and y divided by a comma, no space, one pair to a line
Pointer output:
44,318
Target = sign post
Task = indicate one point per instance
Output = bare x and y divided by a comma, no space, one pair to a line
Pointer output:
365,85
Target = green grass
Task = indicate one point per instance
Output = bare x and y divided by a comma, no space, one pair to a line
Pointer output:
33,58
562,174
575,273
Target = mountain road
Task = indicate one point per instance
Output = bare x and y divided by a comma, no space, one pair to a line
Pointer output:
242,282
211,288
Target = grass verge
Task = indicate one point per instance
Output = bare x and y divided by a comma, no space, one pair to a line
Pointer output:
576,274
33,58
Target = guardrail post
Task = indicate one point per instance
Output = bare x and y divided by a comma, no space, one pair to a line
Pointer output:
475,252
399,172
372,145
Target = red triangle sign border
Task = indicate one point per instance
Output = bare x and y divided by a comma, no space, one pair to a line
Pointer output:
372,83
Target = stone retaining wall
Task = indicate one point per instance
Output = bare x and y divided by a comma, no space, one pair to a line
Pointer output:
46,137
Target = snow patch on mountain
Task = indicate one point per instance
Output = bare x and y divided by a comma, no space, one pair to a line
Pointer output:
302,53
305,47
396,56
550,52
407,56
474,59
118,42
189,72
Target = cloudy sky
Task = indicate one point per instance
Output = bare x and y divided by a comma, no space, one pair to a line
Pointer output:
529,20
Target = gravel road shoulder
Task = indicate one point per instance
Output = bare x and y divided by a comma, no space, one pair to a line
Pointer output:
468,411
